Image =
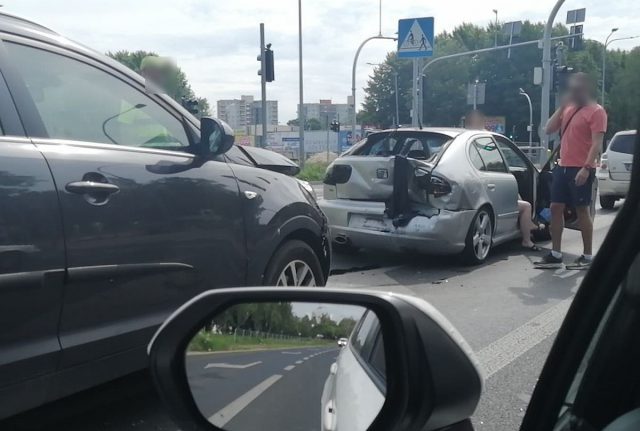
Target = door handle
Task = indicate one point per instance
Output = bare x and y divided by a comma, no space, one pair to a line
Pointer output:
491,187
91,187
250,195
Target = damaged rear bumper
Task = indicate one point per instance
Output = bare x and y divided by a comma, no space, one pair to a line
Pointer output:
365,224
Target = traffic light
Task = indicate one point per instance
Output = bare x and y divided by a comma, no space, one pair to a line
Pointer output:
268,64
335,126
561,76
269,73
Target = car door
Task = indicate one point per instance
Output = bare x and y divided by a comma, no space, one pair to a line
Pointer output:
591,376
148,225
501,187
31,261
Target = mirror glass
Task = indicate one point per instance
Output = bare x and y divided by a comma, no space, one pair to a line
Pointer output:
289,366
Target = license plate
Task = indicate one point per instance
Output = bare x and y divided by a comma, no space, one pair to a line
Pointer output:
628,166
373,223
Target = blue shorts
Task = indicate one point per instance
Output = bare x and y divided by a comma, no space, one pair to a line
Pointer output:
564,189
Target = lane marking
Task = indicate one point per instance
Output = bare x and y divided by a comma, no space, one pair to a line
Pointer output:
291,353
227,413
232,366
306,358
299,362
289,367
516,343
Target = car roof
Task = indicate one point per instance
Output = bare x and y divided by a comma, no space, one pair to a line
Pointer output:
626,132
449,131
21,26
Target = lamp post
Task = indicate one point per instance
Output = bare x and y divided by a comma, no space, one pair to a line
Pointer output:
495,43
301,103
530,126
608,42
395,76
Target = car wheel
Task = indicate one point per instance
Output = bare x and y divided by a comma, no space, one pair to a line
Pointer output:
294,264
479,238
607,202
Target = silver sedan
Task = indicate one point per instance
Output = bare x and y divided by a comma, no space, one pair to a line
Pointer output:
432,190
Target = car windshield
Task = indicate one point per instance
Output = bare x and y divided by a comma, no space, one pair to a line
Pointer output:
384,144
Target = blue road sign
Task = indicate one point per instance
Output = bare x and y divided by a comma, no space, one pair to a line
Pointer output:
415,37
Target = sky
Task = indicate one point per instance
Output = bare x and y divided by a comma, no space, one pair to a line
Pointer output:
216,42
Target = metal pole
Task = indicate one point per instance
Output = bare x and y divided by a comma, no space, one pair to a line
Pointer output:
530,128
546,73
380,18
397,107
475,95
604,56
327,137
301,103
414,91
263,89
353,79
495,42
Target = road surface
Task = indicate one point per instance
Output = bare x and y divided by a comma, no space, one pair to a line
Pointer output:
247,390
508,311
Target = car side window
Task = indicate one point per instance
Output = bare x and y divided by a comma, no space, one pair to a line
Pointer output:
514,160
377,356
490,154
77,101
365,335
476,160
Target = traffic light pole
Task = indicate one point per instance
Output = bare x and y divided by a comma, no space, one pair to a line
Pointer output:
263,88
547,71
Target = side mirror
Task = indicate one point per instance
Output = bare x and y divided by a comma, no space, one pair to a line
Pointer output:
216,137
264,358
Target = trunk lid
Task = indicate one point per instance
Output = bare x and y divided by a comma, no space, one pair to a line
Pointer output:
620,157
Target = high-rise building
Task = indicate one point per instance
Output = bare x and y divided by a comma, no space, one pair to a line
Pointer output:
243,112
325,111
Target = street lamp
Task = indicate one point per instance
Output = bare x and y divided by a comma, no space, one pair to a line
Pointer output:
395,75
495,11
530,126
608,42
301,102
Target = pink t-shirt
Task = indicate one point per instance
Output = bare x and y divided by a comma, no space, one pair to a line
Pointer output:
576,137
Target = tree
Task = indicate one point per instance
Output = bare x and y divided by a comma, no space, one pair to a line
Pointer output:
309,124
179,87
445,84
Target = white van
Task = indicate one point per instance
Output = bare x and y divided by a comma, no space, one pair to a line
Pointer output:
614,173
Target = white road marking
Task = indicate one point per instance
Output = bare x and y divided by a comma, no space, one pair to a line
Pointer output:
227,413
233,366
306,358
299,362
291,353
289,367
507,349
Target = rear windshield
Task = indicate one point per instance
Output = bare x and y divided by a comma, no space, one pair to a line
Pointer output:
622,144
414,144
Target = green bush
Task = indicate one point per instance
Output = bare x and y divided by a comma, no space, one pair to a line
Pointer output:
205,341
313,171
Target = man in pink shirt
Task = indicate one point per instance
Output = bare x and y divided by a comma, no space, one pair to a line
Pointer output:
582,124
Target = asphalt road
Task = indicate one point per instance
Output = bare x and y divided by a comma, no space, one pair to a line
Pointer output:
246,390
508,311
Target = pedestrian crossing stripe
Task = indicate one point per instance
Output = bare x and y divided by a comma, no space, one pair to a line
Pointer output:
415,40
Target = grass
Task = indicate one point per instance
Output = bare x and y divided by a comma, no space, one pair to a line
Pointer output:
209,342
313,171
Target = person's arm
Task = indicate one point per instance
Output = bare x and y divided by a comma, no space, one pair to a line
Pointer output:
598,124
555,122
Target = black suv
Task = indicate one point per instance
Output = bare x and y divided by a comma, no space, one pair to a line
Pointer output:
116,206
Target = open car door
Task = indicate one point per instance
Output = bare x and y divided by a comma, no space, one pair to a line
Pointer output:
591,379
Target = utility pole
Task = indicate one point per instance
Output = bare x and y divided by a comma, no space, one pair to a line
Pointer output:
263,88
495,36
301,103
475,94
395,75
530,126
547,73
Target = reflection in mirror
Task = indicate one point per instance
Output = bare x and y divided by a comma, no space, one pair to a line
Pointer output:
289,366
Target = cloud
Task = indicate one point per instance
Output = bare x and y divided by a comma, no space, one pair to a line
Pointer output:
216,42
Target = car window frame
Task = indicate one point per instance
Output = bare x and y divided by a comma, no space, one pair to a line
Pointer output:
10,123
33,124
365,360
513,147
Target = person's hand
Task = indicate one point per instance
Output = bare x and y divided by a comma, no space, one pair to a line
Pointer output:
581,177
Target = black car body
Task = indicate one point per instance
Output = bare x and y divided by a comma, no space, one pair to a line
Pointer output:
87,274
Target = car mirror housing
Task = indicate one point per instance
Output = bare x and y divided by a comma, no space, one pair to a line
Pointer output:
432,377
216,137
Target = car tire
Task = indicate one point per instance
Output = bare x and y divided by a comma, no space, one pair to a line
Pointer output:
481,229
294,264
607,202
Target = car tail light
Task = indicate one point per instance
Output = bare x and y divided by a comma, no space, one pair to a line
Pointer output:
439,187
604,165
337,174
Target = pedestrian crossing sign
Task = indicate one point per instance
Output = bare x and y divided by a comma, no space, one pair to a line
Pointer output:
415,37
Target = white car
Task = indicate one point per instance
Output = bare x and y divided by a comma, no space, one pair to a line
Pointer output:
342,342
614,173
355,390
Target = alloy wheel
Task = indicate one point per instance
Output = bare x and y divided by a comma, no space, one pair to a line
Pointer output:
296,273
482,236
